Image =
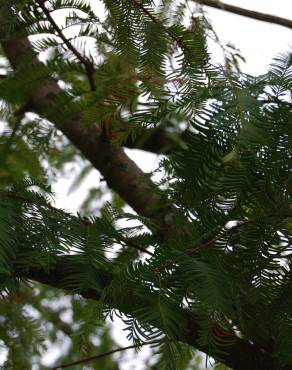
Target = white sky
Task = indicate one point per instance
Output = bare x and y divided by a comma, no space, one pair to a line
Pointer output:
258,41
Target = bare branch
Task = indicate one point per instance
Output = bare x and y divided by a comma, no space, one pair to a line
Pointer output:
134,245
247,13
104,354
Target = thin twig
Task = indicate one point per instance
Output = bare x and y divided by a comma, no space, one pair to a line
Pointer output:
84,220
10,194
87,64
204,245
136,246
190,251
156,21
104,354
247,13
24,198
179,40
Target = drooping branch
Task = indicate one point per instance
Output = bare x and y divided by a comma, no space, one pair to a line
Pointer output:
247,13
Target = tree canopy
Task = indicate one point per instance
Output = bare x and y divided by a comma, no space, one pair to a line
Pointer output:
202,259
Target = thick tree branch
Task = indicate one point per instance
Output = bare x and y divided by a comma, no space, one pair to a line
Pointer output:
119,171
247,13
237,353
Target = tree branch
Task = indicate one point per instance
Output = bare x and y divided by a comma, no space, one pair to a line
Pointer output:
155,140
247,13
205,244
101,355
120,172
87,64
236,353
83,221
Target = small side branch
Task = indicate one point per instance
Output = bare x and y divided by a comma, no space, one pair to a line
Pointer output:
225,232
87,64
26,198
101,355
149,15
132,244
84,221
247,13
205,245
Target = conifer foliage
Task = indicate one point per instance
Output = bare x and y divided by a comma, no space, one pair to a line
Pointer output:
203,260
